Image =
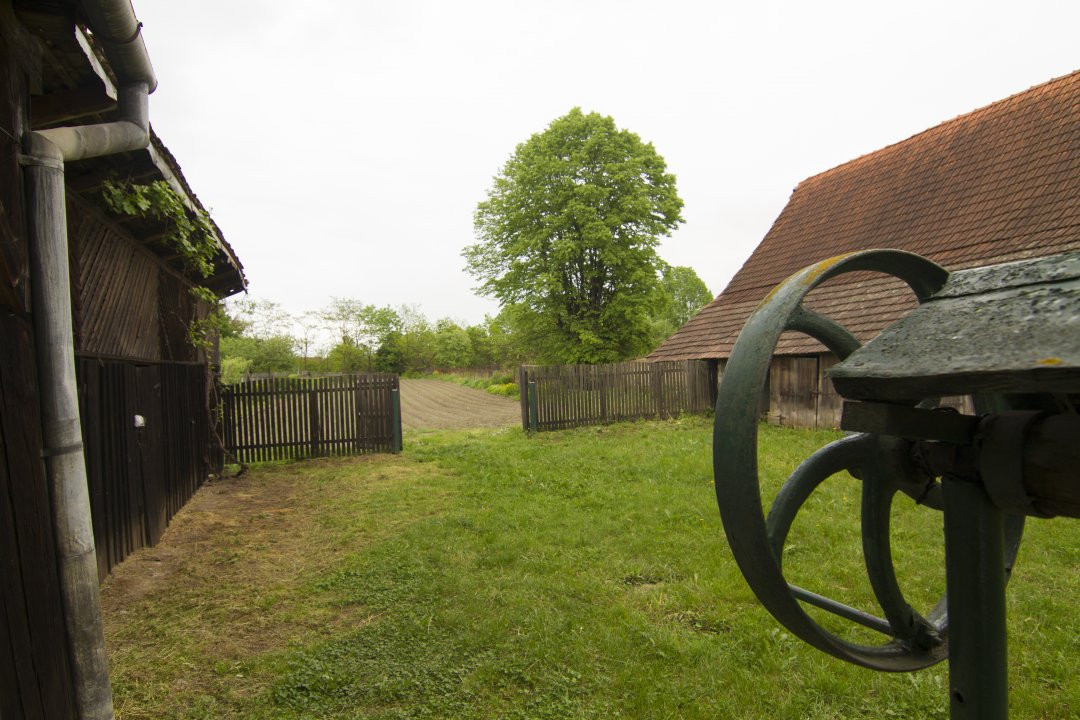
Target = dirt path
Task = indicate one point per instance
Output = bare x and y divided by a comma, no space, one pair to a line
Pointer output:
437,404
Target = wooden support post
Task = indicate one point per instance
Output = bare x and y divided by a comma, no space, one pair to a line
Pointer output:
314,423
395,402
656,389
523,394
534,411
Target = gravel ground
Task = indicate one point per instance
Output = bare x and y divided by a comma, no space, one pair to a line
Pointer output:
438,404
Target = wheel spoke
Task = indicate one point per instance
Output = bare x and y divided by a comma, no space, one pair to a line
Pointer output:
825,330
876,462
845,611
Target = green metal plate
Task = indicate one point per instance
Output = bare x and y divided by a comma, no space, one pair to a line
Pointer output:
1011,328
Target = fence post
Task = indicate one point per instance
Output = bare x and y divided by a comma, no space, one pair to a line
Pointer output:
314,423
395,404
600,385
227,419
534,411
656,390
523,395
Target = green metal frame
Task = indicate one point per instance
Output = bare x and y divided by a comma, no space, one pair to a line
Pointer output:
975,577
981,542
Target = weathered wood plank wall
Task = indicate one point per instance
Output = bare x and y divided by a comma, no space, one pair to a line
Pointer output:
139,477
574,395
284,417
126,303
35,679
801,395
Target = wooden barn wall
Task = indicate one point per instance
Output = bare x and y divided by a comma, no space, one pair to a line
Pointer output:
131,317
139,477
115,288
176,309
799,393
126,303
35,680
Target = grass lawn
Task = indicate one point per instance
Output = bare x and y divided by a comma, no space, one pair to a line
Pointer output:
577,574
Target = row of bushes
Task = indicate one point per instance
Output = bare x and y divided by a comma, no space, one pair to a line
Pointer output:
496,383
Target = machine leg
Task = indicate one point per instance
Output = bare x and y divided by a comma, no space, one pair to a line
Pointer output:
975,581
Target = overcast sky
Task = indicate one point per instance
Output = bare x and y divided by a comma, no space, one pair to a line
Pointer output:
342,145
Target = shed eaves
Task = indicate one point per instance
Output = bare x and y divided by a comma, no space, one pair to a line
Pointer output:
1001,183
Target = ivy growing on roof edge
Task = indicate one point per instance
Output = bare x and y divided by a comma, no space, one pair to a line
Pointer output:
189,233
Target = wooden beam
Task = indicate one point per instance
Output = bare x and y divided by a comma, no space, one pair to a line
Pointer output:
66,74
94,181
67,105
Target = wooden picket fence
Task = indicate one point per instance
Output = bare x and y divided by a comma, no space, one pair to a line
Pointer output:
554,397
289,417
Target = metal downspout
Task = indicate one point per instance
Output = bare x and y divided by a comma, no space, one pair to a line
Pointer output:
114,23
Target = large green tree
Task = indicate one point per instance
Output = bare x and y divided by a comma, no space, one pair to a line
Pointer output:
567,239
681,294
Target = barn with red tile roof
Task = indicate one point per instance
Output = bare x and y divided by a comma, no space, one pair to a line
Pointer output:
998,184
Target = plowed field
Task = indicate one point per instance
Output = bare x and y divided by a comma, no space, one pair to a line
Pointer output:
437,404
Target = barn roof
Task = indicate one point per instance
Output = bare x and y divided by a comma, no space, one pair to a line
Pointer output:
78,86
998,184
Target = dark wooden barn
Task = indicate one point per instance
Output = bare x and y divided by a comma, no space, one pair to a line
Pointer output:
995,185
145,393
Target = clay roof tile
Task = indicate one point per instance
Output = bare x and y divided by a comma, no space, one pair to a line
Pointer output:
1000,183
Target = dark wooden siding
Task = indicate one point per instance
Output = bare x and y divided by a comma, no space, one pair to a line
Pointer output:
115,286
794,388
139,477
126,302
177,308
131,317
35,681
14,263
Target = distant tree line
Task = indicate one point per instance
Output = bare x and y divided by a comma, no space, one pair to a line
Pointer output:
350,336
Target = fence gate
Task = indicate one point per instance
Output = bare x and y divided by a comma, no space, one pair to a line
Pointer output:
287,417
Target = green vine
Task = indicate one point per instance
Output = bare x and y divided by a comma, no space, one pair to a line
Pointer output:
189,233
200,330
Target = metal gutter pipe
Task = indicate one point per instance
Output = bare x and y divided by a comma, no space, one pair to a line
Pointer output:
114,24
46,151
